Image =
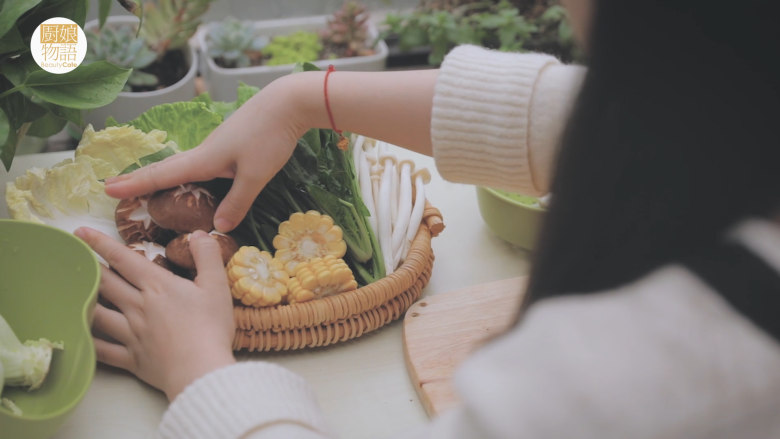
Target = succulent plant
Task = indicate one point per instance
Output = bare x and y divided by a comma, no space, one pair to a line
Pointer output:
120,46
300,46
233,43
346,34
167,24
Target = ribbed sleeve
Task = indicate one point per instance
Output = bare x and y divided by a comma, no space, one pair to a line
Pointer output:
232,401
481,125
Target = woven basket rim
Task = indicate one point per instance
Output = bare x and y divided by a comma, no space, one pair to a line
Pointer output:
338,307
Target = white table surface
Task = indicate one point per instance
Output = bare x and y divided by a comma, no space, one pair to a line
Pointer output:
362,385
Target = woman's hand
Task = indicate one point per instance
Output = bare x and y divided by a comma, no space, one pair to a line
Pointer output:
258,139
250,147
168,330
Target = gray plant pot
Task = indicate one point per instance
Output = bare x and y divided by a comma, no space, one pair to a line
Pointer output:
221,82
129,105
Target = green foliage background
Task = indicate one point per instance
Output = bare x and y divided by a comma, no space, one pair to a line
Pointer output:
33,101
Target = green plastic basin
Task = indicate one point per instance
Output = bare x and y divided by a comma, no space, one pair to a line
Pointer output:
48,287
514,218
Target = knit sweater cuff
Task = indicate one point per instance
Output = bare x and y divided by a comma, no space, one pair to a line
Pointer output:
232,401
480,119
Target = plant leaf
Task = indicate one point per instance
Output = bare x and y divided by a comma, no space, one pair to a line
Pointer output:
47,125
12,10
9,149
15,70
20,109
244,93
75,10
104,8
149,159
71,114
12,43
305,67
187,123
88,86
5,127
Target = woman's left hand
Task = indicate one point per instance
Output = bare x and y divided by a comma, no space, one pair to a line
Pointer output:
169,331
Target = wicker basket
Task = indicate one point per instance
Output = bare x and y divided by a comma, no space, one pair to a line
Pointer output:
344,316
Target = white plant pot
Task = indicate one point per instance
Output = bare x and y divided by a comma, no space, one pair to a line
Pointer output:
221,82
129,105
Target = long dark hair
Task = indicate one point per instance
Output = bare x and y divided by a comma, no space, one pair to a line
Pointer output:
675,137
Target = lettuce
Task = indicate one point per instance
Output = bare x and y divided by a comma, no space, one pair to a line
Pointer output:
189,123
71,193
186,123
115,148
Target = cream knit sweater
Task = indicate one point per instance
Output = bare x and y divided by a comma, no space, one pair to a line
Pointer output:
664,357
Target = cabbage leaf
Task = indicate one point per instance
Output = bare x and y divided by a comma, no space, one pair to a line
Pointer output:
71,193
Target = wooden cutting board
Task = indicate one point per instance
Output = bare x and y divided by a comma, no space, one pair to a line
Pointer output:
440,331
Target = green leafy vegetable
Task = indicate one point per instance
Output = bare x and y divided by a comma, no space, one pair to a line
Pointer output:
149,159
225,109
24,364
187,123
71,194
318,176
321,177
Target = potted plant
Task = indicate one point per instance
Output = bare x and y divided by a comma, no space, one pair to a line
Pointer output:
258,52
164,63
34,102
426,34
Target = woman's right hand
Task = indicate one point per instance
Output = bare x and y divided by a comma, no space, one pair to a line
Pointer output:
258,139
249,147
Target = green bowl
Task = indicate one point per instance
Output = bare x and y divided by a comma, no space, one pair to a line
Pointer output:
514,218
48,288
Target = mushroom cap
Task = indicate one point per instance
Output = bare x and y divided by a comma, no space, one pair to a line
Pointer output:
151,251
178,250
403,162
134,223
184,209
384,158
422,173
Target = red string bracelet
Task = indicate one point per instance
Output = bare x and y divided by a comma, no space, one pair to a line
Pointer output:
343,142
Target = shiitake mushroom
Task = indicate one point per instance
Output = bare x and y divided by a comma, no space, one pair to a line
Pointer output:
153,252
183,209
178,250
134,223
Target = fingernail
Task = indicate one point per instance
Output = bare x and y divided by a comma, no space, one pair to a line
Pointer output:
81,232
198,234
222,225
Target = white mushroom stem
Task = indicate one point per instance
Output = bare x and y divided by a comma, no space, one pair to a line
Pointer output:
394,196
389,162
383,218
420,177
375,170
357,150
401,224
365,180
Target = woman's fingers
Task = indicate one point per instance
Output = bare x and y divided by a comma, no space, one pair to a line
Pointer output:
114,355
113,324
233,208
135,268
208,262
117,291
184,167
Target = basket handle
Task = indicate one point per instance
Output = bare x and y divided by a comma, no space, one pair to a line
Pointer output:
432,218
